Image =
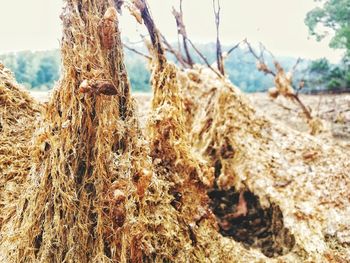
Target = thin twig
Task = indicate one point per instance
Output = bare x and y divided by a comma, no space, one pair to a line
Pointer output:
204,58
153,31
181,30
295,66
177,54
263,65
137,52
232,49
285,107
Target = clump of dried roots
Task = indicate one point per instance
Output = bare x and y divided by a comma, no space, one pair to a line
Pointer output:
18,115
89,168
269,180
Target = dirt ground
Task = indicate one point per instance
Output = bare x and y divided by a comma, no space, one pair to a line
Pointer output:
333,109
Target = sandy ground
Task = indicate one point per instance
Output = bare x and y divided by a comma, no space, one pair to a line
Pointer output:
333,109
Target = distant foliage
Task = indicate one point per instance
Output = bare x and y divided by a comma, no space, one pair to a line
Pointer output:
323,75
332,17
36,70
40,70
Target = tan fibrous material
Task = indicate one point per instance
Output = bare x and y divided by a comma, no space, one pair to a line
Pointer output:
89,169
96,193
305,177
18,117
189,231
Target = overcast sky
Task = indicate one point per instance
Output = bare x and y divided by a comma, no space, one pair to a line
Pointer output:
279,24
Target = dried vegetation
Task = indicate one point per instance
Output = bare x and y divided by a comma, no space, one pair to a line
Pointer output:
208,180
294,183
18,117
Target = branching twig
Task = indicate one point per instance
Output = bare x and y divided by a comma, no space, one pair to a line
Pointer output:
263,49
262,66
176,53
252,51
204,59
283,82
181,30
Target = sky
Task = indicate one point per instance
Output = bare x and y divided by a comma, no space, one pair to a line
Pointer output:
279,24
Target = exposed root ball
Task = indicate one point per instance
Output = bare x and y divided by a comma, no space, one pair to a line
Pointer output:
297,180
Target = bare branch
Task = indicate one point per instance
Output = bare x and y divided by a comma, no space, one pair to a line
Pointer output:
283,82
204,59
262,65
176,53
153,31
232,49
181,30
263,49
219,57
251,50
137,52
302,105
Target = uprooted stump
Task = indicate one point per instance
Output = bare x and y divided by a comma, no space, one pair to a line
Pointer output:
96,192
18,115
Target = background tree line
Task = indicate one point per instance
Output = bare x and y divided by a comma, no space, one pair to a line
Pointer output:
41,69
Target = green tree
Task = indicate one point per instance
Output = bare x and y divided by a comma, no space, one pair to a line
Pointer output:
320,66
322,74
333,16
